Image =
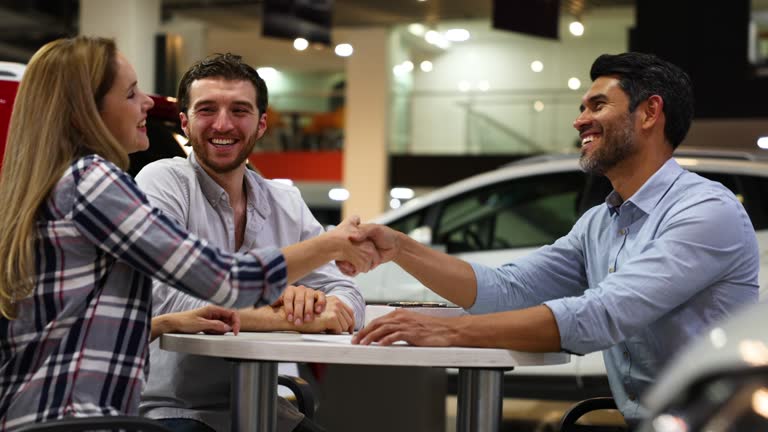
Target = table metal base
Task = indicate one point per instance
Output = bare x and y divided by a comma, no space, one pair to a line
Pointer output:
254,396
480,398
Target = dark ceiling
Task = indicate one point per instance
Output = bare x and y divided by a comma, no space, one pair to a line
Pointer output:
25,25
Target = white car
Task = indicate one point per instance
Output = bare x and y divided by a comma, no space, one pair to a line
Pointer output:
495,217
720,383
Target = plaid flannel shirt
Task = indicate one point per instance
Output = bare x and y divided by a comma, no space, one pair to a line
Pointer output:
79,346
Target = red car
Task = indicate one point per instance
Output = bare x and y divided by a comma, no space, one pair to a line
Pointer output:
163,128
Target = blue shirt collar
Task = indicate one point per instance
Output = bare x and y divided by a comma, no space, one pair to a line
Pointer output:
651,192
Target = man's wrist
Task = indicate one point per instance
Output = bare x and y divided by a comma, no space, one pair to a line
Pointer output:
402,241
459,330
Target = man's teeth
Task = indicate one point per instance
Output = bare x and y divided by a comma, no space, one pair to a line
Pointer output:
222,141
587,140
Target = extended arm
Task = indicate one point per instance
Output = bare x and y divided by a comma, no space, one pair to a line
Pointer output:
532,329
448,276
117,218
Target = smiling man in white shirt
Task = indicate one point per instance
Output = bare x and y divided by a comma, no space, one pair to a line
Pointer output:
212,193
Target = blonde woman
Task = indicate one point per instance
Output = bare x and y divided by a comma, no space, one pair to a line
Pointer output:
79,243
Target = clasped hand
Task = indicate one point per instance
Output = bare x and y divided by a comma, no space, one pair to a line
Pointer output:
376,244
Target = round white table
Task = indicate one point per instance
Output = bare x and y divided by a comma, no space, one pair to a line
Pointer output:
254,383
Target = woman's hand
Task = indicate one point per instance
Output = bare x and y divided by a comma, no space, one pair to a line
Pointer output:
208,319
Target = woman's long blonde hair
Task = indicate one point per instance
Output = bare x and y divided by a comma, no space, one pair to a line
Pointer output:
55,120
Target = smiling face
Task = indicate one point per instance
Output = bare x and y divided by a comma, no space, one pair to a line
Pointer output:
222,123
124,109
606,127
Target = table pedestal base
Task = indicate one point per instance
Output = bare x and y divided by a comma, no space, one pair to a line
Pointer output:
480,398
254,396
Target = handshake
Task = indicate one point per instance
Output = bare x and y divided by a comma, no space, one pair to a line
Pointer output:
362,247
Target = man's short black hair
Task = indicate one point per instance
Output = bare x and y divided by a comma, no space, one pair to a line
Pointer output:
227,66
644,75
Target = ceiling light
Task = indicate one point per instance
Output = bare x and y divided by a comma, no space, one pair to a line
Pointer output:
402,193
338,194
268,73
300,44
344,50
426,66
407,65
537,66
574,83
432,37
398,70
457,35
464,86
762,142
284,181
483,85
416,29
436,39
576,28
538,106
394,203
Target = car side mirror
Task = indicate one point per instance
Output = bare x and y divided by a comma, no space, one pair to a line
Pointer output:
422,234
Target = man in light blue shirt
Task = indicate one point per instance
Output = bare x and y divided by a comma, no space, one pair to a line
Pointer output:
668,255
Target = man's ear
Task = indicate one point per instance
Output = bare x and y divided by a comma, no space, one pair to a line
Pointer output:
184,123
652,110
262,126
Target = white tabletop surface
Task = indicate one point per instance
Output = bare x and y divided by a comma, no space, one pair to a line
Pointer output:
294,347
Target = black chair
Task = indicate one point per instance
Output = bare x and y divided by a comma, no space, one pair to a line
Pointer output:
111,423
568,422
305,403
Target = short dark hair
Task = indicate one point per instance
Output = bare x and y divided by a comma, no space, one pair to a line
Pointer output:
644,75
227,66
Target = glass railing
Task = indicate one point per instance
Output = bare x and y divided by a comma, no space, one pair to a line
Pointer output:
492,122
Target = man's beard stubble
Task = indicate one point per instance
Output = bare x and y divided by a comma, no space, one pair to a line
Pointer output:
201,153
613,150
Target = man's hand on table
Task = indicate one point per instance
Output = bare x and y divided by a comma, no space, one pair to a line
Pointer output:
301,304
411,327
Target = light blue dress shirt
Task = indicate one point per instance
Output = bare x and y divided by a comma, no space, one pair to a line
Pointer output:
637,279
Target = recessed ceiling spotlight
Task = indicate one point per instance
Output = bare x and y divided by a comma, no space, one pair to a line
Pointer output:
426,66
300,44
402,193
574,83
538,106
457,35
407,65
416,29
576,28
267,73
344,50
537,66
338,194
